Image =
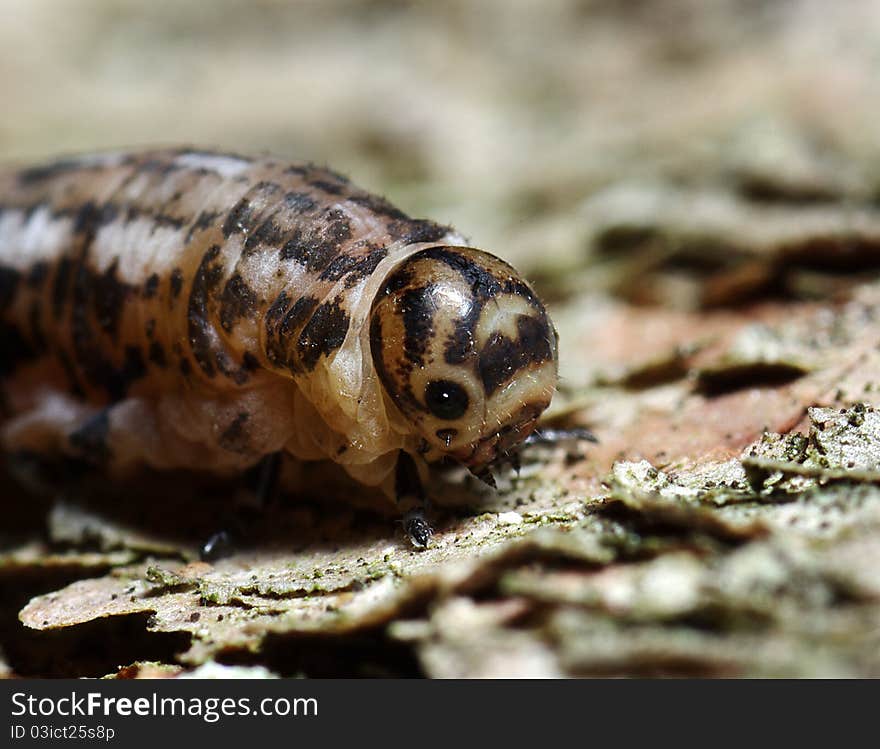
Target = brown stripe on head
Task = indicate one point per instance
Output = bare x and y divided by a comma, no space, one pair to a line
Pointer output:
464,349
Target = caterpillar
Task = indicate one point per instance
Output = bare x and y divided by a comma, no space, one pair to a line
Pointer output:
191,309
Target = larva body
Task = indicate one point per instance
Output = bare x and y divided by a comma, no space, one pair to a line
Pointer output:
185,309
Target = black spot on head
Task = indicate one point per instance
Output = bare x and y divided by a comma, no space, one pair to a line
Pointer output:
460,346
185,366
401,278
501,358
445,399
417,312
483,284
323,334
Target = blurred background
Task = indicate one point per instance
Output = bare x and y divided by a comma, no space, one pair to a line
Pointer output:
503,117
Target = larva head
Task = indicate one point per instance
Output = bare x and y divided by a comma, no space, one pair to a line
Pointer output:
465,350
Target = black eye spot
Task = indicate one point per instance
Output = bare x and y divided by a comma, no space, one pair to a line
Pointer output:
445,399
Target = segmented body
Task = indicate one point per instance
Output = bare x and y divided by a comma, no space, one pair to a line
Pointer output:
180,308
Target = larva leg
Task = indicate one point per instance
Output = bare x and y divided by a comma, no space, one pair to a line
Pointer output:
408,488
265,475
263,482
219,545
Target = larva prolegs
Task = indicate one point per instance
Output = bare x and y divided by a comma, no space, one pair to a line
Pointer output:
409,490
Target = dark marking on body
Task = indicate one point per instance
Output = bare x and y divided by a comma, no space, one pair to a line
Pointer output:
245,216
45,172
156,217
238,218
309,251
331,188
235,437
108,296
267,233
206,279
316,249
228,368
151,286
284,322
411,232
323,334
378,205
203,221
92,295
353,268
300,202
